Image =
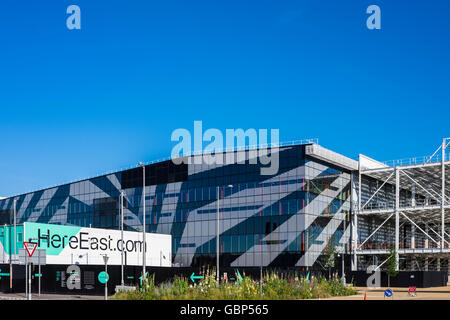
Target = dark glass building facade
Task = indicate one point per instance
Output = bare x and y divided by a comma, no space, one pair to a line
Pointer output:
283,219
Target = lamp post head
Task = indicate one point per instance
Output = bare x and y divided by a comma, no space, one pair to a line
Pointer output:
141,164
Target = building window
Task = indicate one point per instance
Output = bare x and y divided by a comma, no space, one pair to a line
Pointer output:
106,213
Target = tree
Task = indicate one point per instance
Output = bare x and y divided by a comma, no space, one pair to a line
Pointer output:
391,264
330,255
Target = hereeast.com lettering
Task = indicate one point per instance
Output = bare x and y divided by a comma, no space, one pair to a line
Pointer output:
84,242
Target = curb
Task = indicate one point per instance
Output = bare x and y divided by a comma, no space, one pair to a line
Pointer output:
11,298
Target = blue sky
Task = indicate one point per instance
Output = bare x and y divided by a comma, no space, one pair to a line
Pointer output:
76,103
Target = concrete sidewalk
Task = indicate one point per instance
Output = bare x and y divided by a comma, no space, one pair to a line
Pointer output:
48,296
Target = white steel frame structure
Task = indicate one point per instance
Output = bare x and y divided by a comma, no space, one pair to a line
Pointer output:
405,204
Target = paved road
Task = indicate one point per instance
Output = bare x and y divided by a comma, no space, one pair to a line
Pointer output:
436,293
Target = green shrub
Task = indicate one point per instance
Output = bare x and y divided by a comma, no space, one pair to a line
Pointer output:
274,286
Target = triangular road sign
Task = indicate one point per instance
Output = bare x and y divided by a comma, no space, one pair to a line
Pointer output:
30,247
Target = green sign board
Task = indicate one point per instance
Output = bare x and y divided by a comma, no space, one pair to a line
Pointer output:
103,277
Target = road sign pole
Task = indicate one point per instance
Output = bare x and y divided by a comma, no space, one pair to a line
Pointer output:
10,277
105,259
26,277
106,281
29,282
39,292
30,247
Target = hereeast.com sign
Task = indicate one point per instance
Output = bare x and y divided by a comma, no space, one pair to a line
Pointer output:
79,245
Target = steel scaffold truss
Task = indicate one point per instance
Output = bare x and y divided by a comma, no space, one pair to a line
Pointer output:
411,198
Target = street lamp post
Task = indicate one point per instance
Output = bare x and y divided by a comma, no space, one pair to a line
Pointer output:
343,253
143,220
218,232
12,255
121,234
260,280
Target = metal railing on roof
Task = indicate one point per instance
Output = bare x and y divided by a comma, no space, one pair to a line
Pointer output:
415,160
435,157
237,148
